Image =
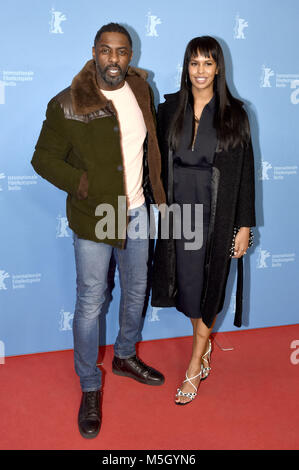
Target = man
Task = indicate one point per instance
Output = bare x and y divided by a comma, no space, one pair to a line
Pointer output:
98,143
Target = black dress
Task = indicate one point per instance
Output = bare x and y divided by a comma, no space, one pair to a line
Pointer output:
192,185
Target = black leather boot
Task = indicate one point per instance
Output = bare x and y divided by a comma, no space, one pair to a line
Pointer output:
90,418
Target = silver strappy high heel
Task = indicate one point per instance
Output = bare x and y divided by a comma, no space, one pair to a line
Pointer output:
203,374
190,395
207,358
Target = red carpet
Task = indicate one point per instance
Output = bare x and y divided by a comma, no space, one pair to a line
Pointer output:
250,400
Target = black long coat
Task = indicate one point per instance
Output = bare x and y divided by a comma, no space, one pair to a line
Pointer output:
232,205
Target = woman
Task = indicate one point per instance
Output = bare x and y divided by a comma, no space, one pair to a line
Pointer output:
207,159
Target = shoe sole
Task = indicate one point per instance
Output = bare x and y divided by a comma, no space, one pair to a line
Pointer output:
123,374
182,404
204,378
88,436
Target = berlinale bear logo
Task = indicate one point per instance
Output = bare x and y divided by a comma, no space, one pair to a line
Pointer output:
152,22
240,25
57,17
3,276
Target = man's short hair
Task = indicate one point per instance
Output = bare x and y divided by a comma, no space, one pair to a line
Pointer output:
112,28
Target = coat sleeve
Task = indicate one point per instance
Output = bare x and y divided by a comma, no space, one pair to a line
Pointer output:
160,125
163,143
51,151
152,104
245,214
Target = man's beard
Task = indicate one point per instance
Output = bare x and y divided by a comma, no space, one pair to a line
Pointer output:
110,80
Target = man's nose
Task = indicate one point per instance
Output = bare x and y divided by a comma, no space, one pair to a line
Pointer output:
113,56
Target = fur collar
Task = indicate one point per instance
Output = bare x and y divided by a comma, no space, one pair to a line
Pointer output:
86,95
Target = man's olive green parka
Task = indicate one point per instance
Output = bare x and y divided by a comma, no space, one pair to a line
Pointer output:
81,133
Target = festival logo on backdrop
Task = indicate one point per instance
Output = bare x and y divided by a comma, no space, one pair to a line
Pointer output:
57,17
153,314
269,172
18,281
21,281
3,275
267,260
10,78
2,176
66,318
232,304
62,226
263,255
2,92
266,74
240,25
151,27
264,169
269,79
17,182
177,80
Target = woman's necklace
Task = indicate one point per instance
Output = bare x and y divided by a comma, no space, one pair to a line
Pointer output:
195,131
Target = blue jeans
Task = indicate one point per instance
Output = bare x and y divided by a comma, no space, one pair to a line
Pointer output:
92,265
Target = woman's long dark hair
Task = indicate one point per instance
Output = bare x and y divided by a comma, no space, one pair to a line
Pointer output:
231,120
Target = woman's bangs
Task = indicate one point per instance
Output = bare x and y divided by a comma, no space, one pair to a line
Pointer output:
203,46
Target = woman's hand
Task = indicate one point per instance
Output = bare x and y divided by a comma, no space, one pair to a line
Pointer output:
241,242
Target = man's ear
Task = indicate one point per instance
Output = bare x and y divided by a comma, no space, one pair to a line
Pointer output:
93,52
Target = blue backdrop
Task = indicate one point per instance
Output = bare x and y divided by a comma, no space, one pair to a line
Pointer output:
43,44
